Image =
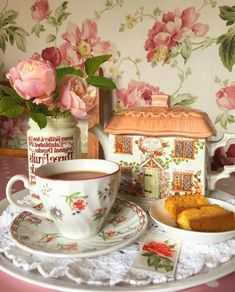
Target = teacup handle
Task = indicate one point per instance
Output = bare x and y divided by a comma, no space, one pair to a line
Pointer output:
11,199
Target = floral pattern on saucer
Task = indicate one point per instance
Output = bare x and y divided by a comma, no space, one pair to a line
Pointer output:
38,235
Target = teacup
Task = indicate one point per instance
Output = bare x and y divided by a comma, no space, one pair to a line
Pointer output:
76,194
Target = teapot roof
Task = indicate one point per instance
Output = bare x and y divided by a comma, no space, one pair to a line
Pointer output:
162,121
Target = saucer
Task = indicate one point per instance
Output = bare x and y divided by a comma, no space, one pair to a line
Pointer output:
38,235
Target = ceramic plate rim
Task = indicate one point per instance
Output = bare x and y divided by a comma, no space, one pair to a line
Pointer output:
94,253
60,284
192,235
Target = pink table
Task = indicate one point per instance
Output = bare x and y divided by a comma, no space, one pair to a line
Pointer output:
10,166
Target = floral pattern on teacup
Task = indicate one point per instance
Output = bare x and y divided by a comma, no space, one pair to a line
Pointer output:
77,202
99,213
45,189
56,213
105,193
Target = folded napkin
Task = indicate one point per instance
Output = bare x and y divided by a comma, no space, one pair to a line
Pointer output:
115,267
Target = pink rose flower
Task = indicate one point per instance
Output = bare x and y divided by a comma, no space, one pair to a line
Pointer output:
84,43
137,94
33,79
77,96
174,28
40,9
225,97
52,54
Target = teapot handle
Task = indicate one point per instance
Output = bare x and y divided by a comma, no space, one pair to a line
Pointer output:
213,178
213,145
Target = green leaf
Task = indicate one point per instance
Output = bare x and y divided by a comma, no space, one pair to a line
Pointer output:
3,40
184,99
147,254
152,260
17,35
6,90
40,119
63,17
224,123
93,64
227,48
218,118
38,108
10,108
51,21
230,118
37,29
50,38
186,49
8,17
227,13
61,72
101,82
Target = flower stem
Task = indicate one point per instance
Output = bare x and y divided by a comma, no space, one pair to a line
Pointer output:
27,107
4,8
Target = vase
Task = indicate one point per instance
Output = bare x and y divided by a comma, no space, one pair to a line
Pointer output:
58,141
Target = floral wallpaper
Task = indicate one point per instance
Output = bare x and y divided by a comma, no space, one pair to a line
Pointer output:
185,49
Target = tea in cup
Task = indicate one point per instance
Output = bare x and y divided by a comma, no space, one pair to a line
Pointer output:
76,194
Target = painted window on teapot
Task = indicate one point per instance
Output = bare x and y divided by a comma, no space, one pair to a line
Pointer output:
184,149
123,144
182,181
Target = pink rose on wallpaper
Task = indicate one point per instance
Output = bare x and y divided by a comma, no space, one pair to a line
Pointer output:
33,79
83,43
137,94
13,132
52,54
77,96
225,97
40,9
175,27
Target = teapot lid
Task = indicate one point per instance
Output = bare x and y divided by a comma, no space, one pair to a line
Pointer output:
162,120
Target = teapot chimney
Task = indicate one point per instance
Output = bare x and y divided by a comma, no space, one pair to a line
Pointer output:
160,100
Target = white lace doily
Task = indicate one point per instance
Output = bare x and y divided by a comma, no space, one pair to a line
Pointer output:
115,267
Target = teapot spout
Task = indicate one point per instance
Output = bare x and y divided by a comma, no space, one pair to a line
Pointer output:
98,131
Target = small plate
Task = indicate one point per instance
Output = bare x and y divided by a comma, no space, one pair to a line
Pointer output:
159,214
38,235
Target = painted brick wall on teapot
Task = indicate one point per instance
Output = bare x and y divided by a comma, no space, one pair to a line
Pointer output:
185,49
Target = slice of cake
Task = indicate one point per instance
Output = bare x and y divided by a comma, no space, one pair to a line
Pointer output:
176,204
211,218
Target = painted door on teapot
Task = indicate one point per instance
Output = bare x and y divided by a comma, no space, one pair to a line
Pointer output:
151,183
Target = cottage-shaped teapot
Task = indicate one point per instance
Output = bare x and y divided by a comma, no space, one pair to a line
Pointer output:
162,150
